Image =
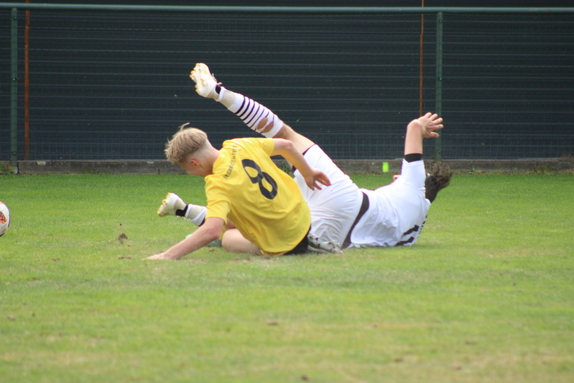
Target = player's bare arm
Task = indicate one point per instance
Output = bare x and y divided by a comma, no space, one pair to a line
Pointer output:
314,178
206,233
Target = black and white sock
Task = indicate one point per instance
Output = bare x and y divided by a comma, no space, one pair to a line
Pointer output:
252,113
194,213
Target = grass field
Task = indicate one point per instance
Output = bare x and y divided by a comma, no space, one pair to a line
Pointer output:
485,295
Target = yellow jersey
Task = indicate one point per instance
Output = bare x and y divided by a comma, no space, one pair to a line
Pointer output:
262,201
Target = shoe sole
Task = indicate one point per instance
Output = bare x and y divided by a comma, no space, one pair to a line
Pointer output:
205,82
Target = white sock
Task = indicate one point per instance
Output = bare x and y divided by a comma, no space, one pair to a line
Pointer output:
219,90
195,214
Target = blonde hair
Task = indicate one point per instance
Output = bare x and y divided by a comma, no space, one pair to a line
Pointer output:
185,142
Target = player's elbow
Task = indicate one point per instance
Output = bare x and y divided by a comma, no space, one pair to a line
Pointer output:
212,234
283,147
211,229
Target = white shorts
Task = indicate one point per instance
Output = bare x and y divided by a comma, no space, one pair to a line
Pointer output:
335,207
397,212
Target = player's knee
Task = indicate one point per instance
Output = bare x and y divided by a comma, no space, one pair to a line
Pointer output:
288,133
233,241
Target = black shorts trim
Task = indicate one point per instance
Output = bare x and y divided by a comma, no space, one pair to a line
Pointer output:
362,211
301,247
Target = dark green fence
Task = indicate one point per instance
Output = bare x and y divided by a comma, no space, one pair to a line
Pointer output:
111,82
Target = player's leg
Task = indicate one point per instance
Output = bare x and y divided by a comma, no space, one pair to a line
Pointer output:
256,116
174,205
235,242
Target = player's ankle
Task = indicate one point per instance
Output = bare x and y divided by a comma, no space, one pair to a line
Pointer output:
217,92
195,213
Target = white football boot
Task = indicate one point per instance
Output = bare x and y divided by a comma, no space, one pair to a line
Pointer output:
205,82
170,205
317,246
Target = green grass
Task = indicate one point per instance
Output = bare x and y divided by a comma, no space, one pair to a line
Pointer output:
485,295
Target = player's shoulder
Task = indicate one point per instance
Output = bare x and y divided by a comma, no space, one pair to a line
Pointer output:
250,145
248,140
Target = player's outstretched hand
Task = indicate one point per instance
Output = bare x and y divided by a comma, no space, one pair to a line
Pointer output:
158,256
429,123
316,179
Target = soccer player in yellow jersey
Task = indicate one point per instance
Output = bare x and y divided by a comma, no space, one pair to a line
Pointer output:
260,205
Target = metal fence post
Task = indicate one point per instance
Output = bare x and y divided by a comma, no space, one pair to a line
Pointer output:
438,87
14,91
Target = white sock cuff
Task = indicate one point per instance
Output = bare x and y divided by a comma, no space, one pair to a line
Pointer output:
221,92
237,102
196,214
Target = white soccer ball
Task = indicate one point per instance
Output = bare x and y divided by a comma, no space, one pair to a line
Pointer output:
4,218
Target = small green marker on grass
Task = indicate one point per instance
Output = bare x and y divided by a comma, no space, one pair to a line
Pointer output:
385,167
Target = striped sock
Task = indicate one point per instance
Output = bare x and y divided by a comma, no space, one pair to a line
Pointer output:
252,113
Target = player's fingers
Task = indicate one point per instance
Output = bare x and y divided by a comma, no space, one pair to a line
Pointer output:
325,180
310,184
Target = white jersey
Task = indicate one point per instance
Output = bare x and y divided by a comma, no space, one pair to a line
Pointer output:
396,212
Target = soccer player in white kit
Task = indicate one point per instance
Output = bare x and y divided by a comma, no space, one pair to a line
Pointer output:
343,213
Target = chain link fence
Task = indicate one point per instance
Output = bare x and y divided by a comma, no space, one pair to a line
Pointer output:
97,84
